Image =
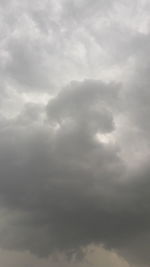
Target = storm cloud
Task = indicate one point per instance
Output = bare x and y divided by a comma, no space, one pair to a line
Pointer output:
74,130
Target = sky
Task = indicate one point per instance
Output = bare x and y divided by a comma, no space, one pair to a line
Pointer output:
74,133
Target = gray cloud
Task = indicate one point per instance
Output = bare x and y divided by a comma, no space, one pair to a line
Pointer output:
63,189
64,167
74,127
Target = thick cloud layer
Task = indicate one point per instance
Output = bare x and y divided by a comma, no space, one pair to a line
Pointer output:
65,188
74,127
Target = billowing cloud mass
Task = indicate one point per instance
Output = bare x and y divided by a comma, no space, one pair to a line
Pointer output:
75,133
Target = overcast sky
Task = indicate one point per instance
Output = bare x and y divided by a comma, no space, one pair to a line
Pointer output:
75,133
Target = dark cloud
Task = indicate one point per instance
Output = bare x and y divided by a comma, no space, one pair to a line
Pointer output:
74,127
63,189
56,172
